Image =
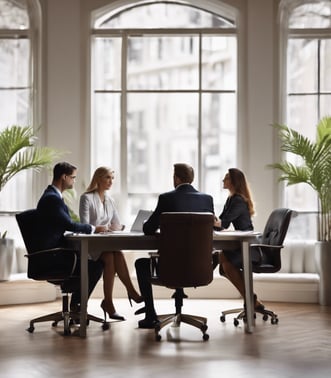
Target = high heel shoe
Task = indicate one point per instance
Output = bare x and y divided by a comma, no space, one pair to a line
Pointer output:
258,306
136,298
113,315
140,310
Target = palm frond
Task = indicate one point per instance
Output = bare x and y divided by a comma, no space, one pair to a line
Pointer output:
18,152
314,168
295,143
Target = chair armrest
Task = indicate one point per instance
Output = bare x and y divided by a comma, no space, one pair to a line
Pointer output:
52,264
51,250
266,245
154,254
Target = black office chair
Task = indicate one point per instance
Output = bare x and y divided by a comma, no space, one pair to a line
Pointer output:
184,260
269,248
56,266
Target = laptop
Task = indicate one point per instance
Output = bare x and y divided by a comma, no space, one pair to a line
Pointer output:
141,217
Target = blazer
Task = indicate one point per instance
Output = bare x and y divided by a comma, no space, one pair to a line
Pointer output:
236,211
55,220
184,198
93,211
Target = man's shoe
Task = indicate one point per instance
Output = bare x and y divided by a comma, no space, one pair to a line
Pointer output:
148,323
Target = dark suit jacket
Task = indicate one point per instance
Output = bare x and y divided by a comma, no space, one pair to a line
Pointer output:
55,220
183,198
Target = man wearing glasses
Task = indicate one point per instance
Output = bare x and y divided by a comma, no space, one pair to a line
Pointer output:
55,221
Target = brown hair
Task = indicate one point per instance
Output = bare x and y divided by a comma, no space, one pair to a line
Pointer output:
240,186
62,168
184,172
98,174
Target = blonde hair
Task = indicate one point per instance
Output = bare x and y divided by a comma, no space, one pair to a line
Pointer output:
98,174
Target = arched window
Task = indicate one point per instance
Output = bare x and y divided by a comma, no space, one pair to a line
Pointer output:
18,50
163,90
307,85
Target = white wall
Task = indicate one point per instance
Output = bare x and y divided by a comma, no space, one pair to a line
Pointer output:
66,70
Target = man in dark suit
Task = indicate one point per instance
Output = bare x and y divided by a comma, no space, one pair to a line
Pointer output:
184,198
55,220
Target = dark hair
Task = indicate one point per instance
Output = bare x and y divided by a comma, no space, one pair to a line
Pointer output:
240,186
62,168
184,172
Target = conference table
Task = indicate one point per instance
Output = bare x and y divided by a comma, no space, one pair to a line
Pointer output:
129,241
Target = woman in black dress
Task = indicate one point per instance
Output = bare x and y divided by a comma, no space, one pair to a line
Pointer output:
238,210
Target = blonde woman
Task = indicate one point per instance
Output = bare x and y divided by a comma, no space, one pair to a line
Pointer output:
96,207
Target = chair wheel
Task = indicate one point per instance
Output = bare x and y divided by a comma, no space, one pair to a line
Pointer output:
274,320
204,328
105,326
222,318
205,336
235,322
54,324
158,337
265,317
30,329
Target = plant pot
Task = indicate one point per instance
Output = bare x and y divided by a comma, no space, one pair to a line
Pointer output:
6,258
323,264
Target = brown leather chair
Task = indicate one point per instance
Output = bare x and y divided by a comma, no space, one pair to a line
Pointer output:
269,248
184,260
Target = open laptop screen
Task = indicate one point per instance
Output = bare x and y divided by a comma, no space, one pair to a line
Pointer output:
141,217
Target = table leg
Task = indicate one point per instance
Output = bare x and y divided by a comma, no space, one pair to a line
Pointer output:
248,279
83,287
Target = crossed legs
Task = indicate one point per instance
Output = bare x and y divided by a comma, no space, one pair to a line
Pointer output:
114,263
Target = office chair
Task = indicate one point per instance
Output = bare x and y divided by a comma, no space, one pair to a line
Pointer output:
269,248
184,260
57,266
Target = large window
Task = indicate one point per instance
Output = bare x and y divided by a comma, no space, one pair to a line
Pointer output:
16,85
308,88
164,90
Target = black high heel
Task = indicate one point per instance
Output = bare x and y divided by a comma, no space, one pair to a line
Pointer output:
114,315
141,310
258,307
138,300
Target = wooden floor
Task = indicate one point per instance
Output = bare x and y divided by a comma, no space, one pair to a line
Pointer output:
299,346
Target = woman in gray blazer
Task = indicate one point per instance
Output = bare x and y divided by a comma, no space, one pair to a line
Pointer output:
96,207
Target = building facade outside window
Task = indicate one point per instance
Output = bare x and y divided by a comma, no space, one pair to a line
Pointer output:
162,94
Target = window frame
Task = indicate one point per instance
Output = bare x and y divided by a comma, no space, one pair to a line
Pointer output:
114,32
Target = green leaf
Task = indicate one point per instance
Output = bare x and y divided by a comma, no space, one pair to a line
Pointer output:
18,152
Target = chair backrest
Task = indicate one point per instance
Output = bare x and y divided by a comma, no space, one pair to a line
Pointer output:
274,234
186,245
52,265
29,224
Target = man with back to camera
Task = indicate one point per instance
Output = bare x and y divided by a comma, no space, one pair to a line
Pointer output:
55,220
183,198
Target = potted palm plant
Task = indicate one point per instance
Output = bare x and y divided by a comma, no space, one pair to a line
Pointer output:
18,152
315,171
